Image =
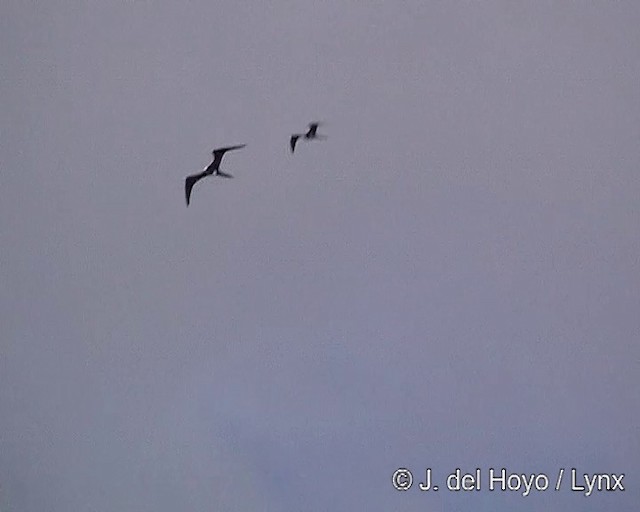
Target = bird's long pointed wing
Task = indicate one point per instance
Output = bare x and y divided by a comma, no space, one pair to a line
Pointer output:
292,142
219,153
313,127
222,151
189,182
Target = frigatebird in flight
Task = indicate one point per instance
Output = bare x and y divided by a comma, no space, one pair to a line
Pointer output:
311,134
212,168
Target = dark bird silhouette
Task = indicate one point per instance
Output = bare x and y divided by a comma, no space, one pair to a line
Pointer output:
212,168
311,134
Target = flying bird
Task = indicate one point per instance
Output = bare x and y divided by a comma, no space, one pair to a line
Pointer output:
311,134
212,168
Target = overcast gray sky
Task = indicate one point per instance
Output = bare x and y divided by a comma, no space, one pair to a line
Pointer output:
451,279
